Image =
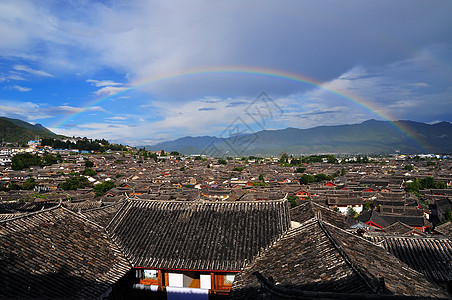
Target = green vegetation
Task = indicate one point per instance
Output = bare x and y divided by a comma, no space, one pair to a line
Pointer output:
284,159
425,183
89,172
147,154
300,170
14,130
422,184
75,182
409,167
259,183
101,189
29,184
88,163
82,144
24,160
292,200
351,212
222,161
237,169
367,205
305,178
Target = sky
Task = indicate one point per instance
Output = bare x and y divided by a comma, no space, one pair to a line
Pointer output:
142,72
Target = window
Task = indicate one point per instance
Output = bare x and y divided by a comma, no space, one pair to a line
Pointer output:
148,277
229,278
151,274
224,281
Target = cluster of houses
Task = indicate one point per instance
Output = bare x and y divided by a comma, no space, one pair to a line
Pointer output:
197,228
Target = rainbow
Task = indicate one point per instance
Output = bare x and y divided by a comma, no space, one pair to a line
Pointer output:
254,71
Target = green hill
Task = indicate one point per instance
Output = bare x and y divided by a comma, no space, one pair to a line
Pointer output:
14,130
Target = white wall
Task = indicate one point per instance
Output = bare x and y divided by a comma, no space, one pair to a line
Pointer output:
205,281
176,279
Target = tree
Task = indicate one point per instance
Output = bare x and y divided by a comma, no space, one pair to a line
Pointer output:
305,179
101,189
89,172
261,178
75,182
13,186
292,200
283,158
351,212
89,164
367,205
29,184
222,161
300,170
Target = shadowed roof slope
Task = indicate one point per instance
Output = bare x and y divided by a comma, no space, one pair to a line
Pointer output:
430,255
320,257
308,209
103,215
197,236
56,254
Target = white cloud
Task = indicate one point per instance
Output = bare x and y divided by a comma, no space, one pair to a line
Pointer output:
34,111
118,118
18,88
102,83
31,71
109,90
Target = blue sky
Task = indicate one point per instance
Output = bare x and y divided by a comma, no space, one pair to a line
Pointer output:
80,68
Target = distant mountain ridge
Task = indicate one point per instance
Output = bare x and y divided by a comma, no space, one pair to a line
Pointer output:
15,130
371,136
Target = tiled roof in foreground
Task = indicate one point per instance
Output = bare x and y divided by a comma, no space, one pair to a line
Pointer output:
56,254
197,236
320,257
431,256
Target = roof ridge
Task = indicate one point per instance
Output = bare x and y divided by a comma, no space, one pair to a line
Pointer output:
33,213
207,202
344,255
82,217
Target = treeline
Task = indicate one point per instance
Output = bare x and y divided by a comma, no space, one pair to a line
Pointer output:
79,182
291,161
25,160
424,184
84,144
305,178
29,184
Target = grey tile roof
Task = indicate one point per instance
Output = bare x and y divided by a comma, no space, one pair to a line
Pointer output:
321,257
55,254
197,236
431,256
104,214
445,228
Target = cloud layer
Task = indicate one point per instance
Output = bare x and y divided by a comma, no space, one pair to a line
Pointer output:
393,57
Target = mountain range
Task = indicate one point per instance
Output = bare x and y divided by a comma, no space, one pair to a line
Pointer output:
15,130
372,136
